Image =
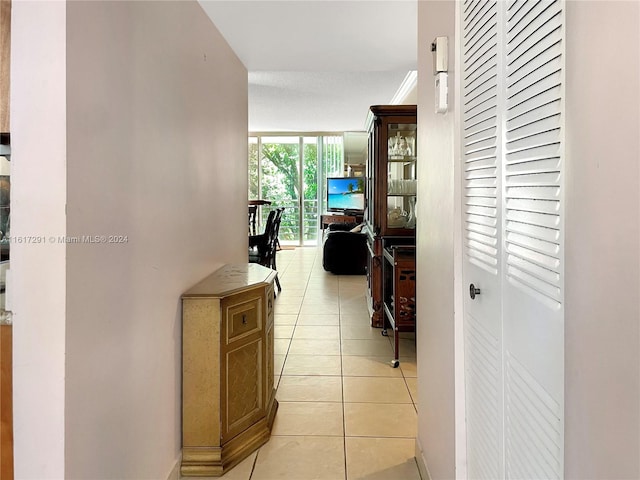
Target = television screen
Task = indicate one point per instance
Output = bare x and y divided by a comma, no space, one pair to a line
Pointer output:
345,194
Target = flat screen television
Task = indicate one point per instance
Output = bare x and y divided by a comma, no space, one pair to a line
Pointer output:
345,194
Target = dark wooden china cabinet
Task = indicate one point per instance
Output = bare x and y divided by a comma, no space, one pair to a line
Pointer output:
390,215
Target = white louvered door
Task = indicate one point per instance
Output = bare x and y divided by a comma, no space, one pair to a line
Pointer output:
482,150
512,84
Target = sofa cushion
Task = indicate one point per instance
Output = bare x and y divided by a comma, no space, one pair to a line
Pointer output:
345,253
344,227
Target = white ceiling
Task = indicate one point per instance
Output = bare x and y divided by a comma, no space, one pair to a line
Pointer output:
318,65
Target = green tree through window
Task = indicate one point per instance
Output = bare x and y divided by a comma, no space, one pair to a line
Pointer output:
280,182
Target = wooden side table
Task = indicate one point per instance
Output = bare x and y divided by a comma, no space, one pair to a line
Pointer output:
329,218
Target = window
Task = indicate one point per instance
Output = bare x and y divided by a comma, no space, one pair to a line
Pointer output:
290,171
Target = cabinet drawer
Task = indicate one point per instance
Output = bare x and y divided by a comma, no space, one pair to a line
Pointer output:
243,318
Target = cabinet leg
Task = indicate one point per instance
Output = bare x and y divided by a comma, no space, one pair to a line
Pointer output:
396,345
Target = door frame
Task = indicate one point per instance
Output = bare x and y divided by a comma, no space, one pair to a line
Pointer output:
460,408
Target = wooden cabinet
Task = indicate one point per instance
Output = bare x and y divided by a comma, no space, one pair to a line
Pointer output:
390,215
228,399
6,401
399,292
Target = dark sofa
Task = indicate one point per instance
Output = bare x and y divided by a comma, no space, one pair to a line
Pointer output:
344,252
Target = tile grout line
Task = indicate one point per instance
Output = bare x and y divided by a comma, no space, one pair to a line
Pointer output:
255,461
344,413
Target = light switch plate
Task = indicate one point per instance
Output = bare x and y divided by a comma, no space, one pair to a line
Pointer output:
440,49
441,93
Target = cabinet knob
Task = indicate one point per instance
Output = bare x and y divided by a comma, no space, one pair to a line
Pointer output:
473,291
244,319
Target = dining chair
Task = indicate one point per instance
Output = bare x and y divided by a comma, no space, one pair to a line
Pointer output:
263,247
253,213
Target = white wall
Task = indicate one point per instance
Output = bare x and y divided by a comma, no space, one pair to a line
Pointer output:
37,289
156,128
435,250
602,419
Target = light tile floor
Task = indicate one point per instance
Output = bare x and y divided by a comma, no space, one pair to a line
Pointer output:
345,413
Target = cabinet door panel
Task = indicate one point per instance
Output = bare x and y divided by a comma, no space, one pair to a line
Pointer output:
242,376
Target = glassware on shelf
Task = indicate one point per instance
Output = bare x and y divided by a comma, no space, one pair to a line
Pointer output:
396,218
411,219
402,187
400,147
392,149
411,145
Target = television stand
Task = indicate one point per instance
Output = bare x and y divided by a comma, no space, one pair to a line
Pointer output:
328,218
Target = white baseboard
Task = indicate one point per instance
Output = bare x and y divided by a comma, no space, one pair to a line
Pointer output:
422,463
174,474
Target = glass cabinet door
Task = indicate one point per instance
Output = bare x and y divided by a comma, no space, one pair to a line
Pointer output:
369,213
401,175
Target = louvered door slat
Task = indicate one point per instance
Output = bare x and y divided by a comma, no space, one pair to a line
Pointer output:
480,130
547,49
478,53
483,229
542,77
541,247
470,7
483,82
542,193
479,133
528,163
480,163
480,101
534,127
541,220
535,231
485,245
540,86
533,154
521,16
474,210
513,8
480,25
479,56
536,24
534,179
541,273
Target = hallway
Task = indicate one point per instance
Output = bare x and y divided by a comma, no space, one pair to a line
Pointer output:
344,412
